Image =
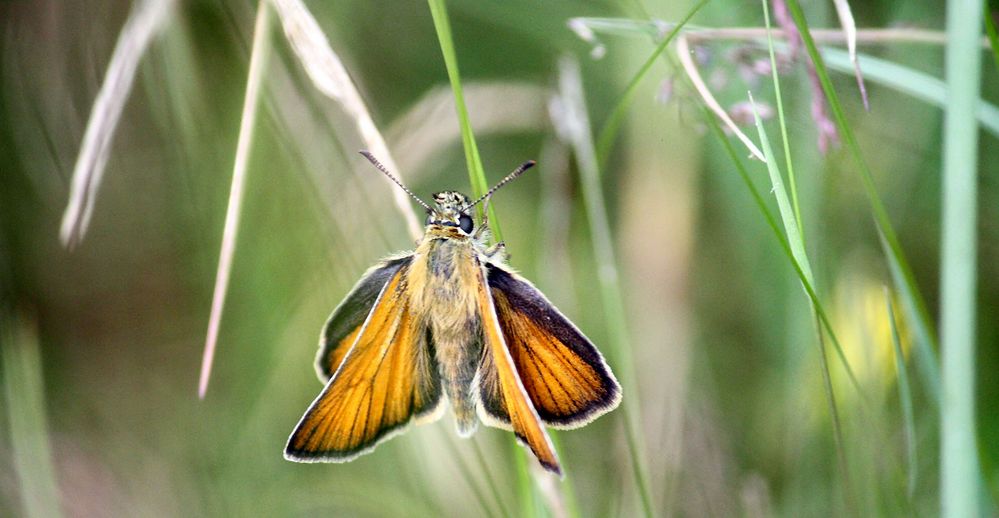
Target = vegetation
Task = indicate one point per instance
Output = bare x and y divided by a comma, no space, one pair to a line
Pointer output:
777,221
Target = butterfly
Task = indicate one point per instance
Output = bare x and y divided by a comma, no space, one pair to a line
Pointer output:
449,321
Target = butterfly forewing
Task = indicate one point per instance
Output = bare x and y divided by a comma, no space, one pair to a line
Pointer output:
564,375
498,371
345,323
387,378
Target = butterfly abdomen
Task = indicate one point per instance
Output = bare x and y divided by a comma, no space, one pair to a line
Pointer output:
443,281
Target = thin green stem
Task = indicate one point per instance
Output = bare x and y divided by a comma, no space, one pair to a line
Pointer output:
489,478
793,231
579,132
476,174
905,399
783,123
785,246
610,130
834,417
466,473
893,249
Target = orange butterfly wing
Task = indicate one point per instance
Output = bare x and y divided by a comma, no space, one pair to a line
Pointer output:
565,376
347,319
499,373
386,379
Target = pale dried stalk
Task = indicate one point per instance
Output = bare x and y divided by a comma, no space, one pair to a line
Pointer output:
330,77
258,53
683,52
624,26
850,28
145,21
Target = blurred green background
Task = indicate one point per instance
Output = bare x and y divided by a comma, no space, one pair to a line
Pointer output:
103,343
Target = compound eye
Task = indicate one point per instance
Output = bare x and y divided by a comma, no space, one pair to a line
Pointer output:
465,223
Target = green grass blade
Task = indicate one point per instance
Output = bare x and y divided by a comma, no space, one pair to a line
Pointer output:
477,179
785,247
610,130
919,315
469,477
526,496
911,82
578,131
476,174
793,233
481,458
959,481
787,213
905,399
990,29
790,221
926,358
24,392
783,122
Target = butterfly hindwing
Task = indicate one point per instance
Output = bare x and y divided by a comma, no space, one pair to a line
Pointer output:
386,379
564,375
499,377
345,322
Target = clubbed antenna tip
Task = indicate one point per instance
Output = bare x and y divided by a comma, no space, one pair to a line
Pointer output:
516,172
374,161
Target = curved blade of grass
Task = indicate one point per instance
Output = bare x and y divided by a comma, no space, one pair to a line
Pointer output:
144,22
783,122
469,477
247,124
481,458
911,82
782,241
609,132
801,257
933,90
787,214
905,399
959,481
993,34
796,244
576,127
325,68
919,315
697,82
476,174
24,392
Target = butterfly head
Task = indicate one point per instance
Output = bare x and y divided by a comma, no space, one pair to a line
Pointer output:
452,207
451,210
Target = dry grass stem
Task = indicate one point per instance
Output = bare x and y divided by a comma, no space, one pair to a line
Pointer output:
146,20
261,47
683,52
330,77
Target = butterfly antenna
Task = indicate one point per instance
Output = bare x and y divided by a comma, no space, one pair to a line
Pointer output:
374,161
516,172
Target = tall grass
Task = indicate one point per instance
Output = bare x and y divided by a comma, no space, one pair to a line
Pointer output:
247,126
477,178
905,279
576,129
959,481
24,404
759,420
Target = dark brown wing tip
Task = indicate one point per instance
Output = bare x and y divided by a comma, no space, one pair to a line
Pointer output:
554,468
